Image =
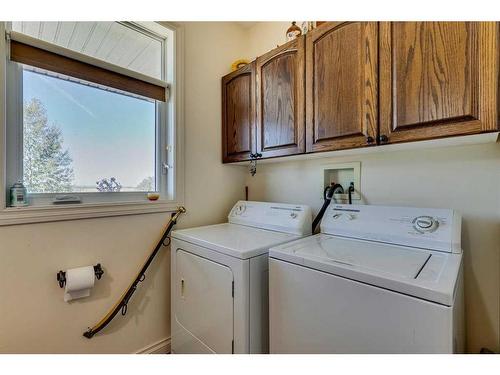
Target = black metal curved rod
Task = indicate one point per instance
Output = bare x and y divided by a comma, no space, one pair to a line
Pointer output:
121,305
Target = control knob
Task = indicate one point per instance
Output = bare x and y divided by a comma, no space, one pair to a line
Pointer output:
239,209
425,224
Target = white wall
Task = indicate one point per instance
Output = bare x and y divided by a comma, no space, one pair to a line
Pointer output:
465,178
264,36
33,317
212,188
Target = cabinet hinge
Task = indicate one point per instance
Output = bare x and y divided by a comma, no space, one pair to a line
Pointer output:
232,289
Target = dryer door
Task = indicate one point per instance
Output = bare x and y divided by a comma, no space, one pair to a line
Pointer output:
204,301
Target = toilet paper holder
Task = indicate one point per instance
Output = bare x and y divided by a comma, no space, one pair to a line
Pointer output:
61,275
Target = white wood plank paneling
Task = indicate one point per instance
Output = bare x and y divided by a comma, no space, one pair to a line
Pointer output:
98,37
148,60
82,33
49,31
64,33
32,28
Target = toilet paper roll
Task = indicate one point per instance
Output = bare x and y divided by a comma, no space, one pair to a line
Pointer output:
79,281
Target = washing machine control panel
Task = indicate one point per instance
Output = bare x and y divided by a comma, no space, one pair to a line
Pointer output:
343,216
281,217
429,228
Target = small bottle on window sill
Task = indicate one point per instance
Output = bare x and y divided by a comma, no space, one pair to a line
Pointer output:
18,195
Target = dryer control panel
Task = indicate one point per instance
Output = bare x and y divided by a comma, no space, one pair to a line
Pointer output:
427,228
280,217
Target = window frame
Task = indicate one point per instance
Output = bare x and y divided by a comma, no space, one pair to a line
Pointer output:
169,135
15,148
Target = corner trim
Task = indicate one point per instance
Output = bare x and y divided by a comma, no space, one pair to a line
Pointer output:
160,347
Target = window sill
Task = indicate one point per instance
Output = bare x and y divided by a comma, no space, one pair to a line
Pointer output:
40,214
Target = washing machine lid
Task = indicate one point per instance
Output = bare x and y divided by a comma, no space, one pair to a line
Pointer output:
426,274
235,240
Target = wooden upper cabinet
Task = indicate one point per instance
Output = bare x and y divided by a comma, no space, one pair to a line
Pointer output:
238,114
437,79
341,86
354,84
280,100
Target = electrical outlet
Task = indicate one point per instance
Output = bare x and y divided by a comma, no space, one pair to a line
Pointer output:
343,174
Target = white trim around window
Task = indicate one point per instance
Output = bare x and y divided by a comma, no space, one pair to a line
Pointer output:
171,146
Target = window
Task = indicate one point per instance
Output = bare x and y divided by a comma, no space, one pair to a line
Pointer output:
79,138
88,113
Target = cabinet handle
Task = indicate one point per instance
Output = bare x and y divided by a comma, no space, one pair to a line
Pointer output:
383,138
369,140
256,155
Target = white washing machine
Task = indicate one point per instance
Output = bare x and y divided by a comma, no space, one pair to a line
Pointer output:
219,288
376,280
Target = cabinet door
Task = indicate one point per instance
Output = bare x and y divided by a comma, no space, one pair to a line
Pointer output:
341,86
280,100
437,79
238,114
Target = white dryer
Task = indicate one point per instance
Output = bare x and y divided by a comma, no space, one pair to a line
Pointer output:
376,280
219,286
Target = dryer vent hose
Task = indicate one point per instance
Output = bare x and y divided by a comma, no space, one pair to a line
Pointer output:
328,196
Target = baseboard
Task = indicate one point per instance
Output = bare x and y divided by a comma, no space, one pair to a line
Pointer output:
160,347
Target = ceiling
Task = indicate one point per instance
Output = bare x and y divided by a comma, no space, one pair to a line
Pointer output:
112,42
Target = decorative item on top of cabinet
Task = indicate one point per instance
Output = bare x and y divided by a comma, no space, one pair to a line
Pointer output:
240,63
238,114
437,79
341,86
280,100
293,32
306,26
